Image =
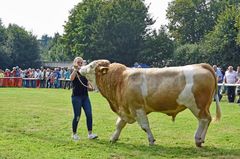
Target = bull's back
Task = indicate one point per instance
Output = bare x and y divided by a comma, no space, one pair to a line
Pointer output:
167,90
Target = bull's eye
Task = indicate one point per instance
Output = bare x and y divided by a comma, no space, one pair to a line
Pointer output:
91,66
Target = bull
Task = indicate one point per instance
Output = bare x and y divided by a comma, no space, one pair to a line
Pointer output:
133,93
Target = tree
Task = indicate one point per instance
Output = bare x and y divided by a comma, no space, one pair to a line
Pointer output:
23,46
158,49
5,60
191,20
45,43
189,54
221,44
80,27
123,27
112,29
56,51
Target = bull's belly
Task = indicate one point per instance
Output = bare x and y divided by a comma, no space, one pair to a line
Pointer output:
171,110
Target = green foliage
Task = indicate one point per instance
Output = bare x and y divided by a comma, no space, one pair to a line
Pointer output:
5,60
107,29
36,123
23,46
45,42
119,30
158,49
123,27
57,51
190,20
18,47
80,27
222,43
189,54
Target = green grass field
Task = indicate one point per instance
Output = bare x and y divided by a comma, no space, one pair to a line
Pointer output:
36,123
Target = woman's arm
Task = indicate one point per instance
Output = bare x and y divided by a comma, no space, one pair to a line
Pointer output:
73,74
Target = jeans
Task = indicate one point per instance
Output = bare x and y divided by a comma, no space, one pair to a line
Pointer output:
219,94
79,102
231,94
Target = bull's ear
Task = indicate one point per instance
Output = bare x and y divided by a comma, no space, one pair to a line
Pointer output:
103,70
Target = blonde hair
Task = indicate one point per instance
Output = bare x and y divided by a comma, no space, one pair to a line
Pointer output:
77,59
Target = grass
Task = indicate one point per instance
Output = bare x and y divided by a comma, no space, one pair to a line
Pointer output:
36,123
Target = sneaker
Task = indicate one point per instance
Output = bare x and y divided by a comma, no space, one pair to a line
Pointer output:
75,137
92,136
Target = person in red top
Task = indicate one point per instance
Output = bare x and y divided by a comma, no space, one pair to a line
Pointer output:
6,81
7,73
1,77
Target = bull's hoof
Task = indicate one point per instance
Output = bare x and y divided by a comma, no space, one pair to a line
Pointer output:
152,143
113,140
198,144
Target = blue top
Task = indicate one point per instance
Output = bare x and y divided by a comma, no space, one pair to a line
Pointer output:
219,75
67,74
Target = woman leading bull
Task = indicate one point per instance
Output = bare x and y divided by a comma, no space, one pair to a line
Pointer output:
80,99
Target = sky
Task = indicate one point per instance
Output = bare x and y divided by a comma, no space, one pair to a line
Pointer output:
48,16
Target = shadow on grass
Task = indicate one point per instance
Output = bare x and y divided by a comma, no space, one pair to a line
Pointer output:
122,149
167,151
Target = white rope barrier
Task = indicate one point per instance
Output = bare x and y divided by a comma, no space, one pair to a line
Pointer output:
226,84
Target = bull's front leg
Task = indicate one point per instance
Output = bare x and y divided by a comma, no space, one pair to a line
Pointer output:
142,120
120,124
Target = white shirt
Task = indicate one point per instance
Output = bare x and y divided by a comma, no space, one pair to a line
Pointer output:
230,77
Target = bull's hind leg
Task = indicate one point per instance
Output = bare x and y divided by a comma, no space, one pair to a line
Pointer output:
202,129
120,124
204,120
142,120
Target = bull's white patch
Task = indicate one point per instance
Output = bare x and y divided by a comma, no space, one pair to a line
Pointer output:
143,86
142,118
186,97
89,72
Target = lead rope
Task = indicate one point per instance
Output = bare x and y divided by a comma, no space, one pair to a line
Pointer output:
83,83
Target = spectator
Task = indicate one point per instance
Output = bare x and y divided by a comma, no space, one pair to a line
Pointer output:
57,76
37,76
1,73
67,82
1,76
28,75
47,78
13,72
238,82
219,76
230,78
33,76
51,79
42,77
18,71
7,73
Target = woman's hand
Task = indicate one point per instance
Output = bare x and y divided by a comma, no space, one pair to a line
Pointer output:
90,87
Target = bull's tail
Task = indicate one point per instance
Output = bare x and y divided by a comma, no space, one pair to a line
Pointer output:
218,109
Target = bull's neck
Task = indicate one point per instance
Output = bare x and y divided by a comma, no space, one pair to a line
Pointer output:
109,83
106,86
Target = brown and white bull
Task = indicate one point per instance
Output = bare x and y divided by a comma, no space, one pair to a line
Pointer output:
133,93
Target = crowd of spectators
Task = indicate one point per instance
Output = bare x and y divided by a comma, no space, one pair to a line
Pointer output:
60,78
37,78
228,78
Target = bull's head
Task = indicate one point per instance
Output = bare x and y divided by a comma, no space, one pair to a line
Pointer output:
93,68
